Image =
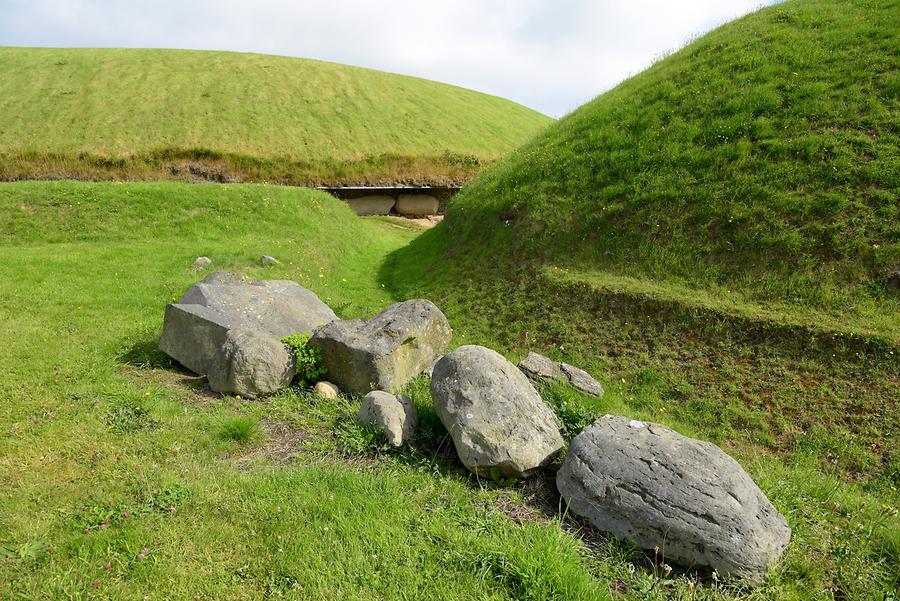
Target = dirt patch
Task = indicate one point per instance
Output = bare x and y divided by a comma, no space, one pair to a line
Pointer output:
426,222
282,444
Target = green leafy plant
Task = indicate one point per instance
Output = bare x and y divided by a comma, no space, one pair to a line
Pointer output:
572,408
28,550
308,360
355,439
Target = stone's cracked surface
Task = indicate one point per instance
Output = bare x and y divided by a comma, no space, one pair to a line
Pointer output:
386,351
543,370
194,328
496,418
646,483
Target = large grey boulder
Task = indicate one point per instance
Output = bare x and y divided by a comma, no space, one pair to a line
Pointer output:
251,363
643,482
417,205
374,204
194,328
496,418
543,369
393,416
386,351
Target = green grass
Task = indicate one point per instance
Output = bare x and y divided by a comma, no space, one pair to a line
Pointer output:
115,480
240,428
223,116
756,171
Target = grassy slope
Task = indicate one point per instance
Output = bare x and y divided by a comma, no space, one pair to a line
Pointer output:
760,165
95,423
251,116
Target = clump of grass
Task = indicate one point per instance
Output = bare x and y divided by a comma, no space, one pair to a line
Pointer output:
242,429
356,439
575,410
129,416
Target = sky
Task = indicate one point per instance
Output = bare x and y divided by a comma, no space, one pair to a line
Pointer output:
550,55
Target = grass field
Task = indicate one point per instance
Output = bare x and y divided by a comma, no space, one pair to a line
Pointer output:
223,116
759,165
712,240
101,437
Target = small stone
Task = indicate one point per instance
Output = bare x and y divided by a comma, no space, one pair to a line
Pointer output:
202,263
394,416
269,261
327,390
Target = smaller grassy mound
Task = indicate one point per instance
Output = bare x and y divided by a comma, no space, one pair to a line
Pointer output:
758,165
225,116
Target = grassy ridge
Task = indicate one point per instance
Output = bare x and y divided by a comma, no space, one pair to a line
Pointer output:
131,113
760,163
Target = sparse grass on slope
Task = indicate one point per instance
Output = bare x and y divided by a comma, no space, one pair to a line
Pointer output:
223,116
760,164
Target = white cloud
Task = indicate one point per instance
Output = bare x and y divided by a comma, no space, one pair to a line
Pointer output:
548,54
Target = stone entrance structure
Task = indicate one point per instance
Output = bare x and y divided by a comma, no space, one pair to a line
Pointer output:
406,201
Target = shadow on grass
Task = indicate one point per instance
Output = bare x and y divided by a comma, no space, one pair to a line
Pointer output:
146,355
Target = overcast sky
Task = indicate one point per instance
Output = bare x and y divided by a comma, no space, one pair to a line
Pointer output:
551,55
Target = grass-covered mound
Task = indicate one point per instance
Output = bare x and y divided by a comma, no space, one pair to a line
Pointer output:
757,170
224,116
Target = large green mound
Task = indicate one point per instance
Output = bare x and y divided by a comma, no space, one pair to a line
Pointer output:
104,113
758,169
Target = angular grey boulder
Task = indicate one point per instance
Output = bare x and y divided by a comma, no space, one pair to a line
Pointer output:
194,328
543,369
643,482
496,418
251,363
386,351
394,416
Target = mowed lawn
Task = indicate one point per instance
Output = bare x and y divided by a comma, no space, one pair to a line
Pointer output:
161,114
122,478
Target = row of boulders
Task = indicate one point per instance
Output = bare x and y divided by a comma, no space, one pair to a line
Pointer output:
638,480
408,205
